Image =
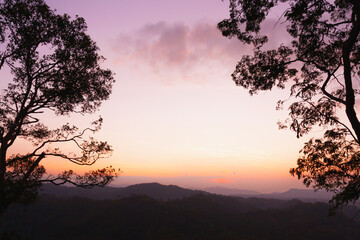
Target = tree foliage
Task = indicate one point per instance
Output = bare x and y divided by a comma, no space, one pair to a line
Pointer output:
200,216
320,67
55,67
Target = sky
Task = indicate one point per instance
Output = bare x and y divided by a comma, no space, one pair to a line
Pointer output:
175,116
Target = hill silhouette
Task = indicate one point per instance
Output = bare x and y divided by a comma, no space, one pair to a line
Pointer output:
153,190
157,191
169,192
302,194
230,191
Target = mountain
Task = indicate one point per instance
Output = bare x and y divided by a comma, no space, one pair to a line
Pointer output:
230,191
302,194
307,195
157,191
140,212
161,192
168,192
154,190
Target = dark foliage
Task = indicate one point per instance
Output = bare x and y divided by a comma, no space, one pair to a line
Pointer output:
196,217
321,69
55,68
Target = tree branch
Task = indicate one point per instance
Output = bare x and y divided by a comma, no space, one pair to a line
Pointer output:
334,119
323,88
33,166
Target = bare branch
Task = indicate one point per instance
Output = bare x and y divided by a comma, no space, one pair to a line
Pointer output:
323,88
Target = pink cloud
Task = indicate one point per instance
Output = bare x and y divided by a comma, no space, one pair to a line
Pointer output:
177,50
172,45
185,52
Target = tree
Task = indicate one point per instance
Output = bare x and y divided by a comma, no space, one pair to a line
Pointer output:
321,69
56,68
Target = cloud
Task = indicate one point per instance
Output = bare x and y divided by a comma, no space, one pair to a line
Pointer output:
169,51
178,51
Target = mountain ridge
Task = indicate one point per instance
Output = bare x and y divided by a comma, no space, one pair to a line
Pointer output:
170,192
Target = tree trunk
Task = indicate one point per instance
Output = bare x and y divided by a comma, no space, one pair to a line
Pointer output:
2,178
350,95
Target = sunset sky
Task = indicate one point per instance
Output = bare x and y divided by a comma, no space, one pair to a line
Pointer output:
175,116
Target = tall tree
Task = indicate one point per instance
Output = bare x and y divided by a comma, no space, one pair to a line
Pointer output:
321,69
55,68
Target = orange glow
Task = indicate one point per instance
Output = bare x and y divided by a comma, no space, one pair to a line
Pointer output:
221,180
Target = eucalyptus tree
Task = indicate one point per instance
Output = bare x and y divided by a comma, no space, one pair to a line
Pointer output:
55,67
320,68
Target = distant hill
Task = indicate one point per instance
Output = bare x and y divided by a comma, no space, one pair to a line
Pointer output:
169,192
308,195
302,194
154,190
230,191
157,191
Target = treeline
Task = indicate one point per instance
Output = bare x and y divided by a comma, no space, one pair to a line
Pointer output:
196,217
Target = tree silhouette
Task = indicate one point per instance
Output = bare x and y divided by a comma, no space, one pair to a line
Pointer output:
55,68
321,68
